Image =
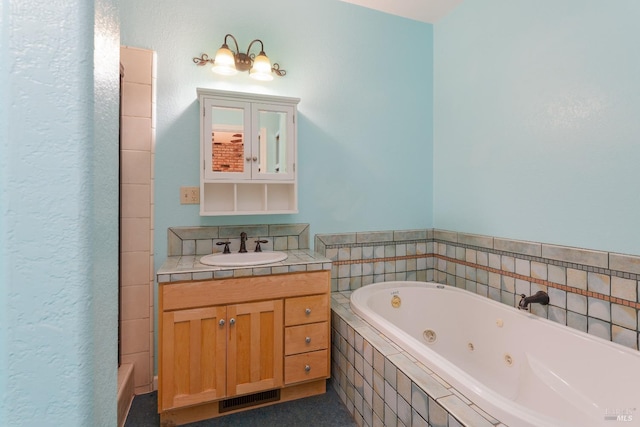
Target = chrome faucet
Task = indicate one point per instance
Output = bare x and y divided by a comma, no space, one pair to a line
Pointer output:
539,297
243,242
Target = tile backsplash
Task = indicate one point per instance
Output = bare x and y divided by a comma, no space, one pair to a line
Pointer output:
592,291
203,240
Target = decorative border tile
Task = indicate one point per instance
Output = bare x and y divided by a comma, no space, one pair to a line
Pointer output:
500,269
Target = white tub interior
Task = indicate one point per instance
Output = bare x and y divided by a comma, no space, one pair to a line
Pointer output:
522,369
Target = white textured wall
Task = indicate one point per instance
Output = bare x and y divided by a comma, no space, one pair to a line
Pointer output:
58,201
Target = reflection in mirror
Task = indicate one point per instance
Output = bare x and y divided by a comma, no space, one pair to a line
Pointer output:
273,141
227,139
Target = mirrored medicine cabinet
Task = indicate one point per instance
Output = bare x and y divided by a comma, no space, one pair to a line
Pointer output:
248,153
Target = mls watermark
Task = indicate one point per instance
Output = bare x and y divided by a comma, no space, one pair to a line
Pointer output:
619,414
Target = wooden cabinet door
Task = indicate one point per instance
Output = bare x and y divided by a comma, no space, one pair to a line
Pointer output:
193,356
254,358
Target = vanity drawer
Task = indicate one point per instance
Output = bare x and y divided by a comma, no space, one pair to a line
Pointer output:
311,309
303,338
306,366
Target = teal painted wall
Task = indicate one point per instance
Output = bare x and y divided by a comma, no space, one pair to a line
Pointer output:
365,122
536,122
58,212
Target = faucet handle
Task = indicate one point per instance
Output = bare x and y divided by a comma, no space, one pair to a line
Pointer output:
258,248
226,247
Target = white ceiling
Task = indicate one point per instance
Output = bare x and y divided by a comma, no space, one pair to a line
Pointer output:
419,10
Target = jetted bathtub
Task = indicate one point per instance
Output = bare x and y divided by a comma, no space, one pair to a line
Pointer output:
520,368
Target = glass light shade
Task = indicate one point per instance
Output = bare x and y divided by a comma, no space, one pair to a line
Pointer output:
224,63
261,69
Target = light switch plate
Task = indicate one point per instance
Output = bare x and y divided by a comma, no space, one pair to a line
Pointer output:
189,195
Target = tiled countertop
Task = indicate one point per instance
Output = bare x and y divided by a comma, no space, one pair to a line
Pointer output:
188,267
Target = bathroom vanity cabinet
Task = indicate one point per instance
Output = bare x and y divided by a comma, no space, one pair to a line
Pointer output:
248,153
237,343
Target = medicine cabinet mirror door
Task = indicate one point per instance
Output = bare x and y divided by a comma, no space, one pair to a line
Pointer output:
227,140
275,142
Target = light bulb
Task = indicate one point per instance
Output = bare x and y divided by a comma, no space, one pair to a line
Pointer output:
224,63
261,69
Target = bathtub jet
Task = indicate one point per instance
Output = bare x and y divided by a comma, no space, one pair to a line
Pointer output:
539,297
524,370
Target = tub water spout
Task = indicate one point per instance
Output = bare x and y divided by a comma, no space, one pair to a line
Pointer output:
539,297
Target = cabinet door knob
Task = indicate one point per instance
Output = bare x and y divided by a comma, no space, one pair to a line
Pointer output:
307,368
255,159
221,322
307,311
232,321
307,340
248,159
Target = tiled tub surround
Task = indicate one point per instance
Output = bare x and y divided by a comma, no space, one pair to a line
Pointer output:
592,291
360,259
382,385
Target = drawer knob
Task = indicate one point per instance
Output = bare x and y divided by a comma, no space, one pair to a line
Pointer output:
221,322
307,340
307,368
307,311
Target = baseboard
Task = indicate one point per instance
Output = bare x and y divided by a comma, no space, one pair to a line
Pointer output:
125,391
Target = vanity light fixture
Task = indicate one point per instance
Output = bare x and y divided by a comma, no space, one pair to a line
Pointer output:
227,62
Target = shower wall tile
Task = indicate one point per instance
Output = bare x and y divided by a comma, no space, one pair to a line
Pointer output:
136,184
135,133
134,302
135,268
135,167
138,65
136,99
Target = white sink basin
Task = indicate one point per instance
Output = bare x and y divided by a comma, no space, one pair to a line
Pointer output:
243,260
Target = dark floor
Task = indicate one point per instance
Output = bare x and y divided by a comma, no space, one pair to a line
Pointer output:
325,410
